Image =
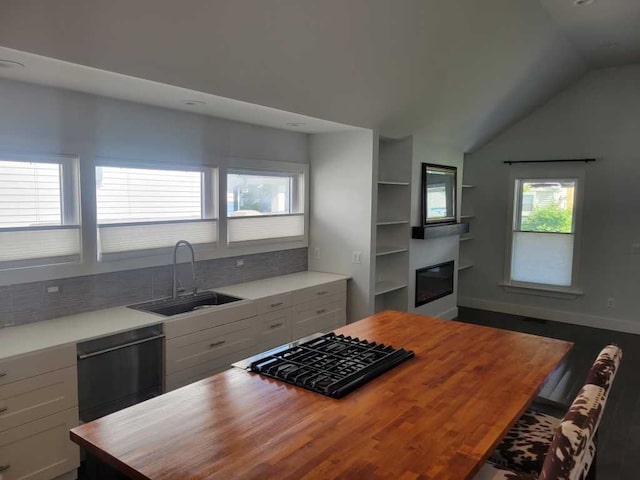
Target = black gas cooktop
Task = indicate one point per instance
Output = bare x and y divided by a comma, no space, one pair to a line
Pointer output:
331,364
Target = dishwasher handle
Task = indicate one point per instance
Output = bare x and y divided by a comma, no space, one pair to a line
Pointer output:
118,347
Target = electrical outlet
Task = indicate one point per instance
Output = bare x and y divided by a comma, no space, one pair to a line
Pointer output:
240,262
611,302
316,252
356,257
53,289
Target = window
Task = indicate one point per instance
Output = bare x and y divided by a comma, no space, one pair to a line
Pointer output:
545,230
39,213
264,205
144,209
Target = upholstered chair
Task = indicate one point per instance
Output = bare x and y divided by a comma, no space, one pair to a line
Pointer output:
543,447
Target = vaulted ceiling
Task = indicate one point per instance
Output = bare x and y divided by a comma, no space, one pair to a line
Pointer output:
456,70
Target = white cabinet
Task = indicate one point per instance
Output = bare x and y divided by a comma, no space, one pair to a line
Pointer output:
393,205
274,328
204,344
38,407
320,308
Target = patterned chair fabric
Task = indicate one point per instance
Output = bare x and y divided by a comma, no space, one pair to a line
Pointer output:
490,471
569,449
525,447
526,444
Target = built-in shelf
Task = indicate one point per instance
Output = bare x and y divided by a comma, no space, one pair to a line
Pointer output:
466,238
387,286
390,250
386,182
392,222
468,186
436,231
465,266
466,217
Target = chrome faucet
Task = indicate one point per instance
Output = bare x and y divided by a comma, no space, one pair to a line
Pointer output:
174,294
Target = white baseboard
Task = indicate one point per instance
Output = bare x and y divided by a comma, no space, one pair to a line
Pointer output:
554,315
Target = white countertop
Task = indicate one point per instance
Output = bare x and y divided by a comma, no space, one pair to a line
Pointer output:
85,326
277,285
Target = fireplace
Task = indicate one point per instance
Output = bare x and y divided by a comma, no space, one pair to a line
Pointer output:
434,282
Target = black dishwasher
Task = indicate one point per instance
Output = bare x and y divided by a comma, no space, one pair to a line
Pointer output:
118,371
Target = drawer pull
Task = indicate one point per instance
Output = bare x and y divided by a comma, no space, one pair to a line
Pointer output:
217,344
3,409
275,325
277,304
323,292
3,374
4,468
321,311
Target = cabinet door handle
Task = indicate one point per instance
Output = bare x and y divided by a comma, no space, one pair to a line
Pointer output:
321,311
275,325
217,344
3,374
4,468
3,409
323,292
273,305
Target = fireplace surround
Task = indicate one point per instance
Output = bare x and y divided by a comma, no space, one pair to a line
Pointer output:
433,282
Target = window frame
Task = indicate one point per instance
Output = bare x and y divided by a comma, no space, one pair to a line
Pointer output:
299,198
70,209
546,172
210,207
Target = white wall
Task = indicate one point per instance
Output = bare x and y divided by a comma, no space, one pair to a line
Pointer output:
342,172
598,116
437,250
36,119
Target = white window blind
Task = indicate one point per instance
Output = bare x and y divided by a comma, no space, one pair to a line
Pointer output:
38,212
243,229
545,258
142,209
264,205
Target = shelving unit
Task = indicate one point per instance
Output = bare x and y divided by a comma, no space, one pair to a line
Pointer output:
466,216
381,250
391,262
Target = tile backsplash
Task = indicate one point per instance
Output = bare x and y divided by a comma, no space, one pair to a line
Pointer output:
31,302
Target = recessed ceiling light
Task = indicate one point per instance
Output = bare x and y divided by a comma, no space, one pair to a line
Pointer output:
10,64
295,124
580,3
193,103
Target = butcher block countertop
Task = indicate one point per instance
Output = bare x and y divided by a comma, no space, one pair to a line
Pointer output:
435,416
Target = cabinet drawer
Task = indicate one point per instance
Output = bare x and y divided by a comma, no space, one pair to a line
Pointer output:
320,291
37,397
208,319
312,320
204,370
274,329
40,450
31,364
271,304
207,345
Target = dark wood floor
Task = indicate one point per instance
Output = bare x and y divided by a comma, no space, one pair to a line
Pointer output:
619,434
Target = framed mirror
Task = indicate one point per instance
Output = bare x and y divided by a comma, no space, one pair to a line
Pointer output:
438,194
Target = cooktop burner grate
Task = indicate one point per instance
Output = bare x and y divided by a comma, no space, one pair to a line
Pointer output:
332,365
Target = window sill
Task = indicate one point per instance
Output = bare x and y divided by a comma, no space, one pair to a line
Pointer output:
567,293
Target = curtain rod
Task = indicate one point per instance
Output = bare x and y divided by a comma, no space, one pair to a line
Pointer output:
585,160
